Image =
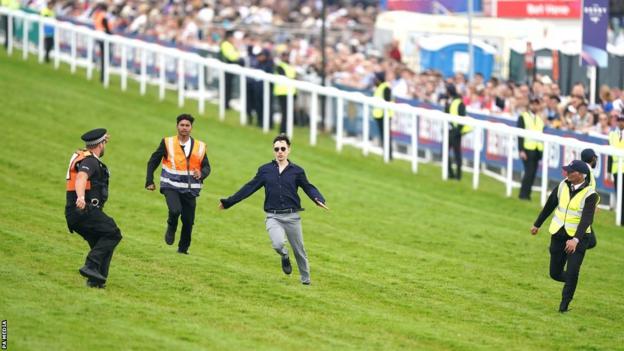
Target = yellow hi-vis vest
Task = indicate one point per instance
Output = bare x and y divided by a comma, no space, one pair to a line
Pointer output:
454,110
379,93
11,4
614,140
535,123
229,52
281,89
568,212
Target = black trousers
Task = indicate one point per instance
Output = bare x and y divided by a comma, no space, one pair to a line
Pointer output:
255,103
559,258
181,205
5,28
100,231
282,100
380,127
530,169
100,44
229,81
48,44
615,182
455,140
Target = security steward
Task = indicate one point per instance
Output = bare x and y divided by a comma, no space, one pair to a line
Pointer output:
229,54
530,150
87,192
616,139
281,91
455,106
382,91
574,203
184,168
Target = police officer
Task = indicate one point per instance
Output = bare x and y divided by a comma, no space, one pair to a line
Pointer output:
87,192
382,91
455,106
616,139
184,168
530,150
281,91
255,93
11,5
574,203
48,30
229,54
100,22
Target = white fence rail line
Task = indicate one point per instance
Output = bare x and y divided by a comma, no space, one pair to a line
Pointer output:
183,58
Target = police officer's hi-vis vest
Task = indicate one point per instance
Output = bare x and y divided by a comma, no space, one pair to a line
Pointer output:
568,212
229,52
177,169
534,123
379,93
615,141
454,110
282,89
72,172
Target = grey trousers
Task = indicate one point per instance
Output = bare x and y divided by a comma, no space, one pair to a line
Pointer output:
288,225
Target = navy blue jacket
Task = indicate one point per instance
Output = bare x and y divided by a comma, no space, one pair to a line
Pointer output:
280,190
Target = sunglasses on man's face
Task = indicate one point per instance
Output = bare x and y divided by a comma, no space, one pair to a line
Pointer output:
277,149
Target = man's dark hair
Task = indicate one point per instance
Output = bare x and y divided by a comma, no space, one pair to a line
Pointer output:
282,137
185,116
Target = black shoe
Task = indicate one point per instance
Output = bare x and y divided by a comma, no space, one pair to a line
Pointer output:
94,284
184,252
170,235
306,283
91,273
286,266
563,307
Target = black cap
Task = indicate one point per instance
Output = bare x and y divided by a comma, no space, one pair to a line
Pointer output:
620,117
588,155
577,166
94,137
535,100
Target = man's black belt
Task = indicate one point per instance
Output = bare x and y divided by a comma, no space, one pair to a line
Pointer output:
287,210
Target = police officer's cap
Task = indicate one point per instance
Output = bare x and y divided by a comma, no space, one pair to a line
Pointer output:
577,166
94,137
535,99
588,155
620,117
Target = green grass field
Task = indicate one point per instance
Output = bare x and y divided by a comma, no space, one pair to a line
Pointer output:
401,262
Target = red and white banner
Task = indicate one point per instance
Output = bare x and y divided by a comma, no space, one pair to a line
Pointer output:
569,9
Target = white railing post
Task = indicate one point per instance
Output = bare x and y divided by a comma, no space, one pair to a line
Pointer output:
476,163
365,129
509,165
74,50
386,136
222,95
106,59
414,143
243,99
201,85
181,79
25,25
161,76
124,67
545,157
266,106
339,124
90,45
618,201
313,118
9,34
41,50
143,78
290,109
445,149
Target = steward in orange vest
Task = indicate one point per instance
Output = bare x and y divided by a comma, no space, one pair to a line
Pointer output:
184,168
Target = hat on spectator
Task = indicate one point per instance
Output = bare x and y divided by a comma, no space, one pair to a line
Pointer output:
588,155
94,137
577,166
534,99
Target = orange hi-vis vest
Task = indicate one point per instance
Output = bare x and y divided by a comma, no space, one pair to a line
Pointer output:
98,20
177,169
72,172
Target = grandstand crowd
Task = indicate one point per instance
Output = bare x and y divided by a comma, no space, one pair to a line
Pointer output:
278,26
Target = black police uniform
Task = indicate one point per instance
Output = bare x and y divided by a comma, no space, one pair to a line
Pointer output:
95,226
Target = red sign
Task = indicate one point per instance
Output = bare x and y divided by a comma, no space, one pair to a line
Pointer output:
539,8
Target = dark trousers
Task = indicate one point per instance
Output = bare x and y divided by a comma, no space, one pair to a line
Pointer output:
559,258
380,127
455,140
5,28
255,103
100,44
102,234
48,44
181,205
615,182
530,169
283,104
229,81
